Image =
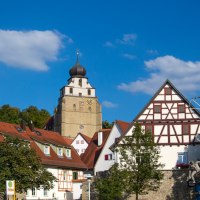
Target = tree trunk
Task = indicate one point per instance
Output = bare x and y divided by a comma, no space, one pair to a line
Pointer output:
136,196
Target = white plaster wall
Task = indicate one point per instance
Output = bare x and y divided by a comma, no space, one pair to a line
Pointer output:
169,155
102,164
79,146
77,188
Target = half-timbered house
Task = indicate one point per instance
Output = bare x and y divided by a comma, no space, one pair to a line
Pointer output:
174,124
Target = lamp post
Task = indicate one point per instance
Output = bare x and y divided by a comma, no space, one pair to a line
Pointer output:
89,176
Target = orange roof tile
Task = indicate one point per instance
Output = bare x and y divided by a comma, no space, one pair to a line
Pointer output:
122,125
93,151
45,137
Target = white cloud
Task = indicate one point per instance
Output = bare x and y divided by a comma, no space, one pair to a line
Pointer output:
30,49
128,39
184,74
129,56
109,44
152,52
109,104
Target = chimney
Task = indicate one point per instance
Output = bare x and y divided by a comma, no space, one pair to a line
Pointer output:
23,125
100,138
31,126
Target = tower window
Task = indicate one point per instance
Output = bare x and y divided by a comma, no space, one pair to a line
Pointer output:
80,94
89,92
70,90
80,82
74,107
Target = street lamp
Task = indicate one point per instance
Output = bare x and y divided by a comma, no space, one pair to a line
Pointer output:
89,177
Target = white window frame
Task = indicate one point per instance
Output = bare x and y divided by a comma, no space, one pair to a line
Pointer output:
45,192
60,151
68,153
46,150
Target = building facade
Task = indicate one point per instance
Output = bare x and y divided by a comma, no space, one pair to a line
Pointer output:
78,108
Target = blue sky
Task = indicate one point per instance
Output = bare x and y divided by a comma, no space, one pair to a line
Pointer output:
129,48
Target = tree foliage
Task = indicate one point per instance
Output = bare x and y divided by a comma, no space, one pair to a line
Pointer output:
106,124
20,163
38,117
32,113
138,169
9,114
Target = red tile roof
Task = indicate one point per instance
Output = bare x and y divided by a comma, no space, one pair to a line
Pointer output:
85,137
93,151
122,125
68,140
45,137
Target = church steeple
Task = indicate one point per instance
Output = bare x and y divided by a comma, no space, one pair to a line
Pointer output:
77,70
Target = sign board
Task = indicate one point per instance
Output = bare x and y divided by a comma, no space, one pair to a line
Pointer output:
10,187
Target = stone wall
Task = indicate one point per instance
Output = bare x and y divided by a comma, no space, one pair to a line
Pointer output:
174,187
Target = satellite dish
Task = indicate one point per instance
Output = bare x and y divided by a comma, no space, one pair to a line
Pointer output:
198,137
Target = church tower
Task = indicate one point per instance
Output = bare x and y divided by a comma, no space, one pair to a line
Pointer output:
78,108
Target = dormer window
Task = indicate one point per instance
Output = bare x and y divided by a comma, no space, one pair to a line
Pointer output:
68,153
60,151
46,150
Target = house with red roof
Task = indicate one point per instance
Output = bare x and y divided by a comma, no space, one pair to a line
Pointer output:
56,155
99,155
80,143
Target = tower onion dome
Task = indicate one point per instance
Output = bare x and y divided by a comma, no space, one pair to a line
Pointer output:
77,70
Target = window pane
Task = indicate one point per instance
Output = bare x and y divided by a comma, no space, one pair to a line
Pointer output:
157,108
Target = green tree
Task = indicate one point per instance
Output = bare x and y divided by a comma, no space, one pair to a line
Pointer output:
20,163
106,124
138,169
38,117
9,114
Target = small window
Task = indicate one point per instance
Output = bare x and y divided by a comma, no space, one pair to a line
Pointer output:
82,141
74,107
89,92
168,91
46,150
182,158
181,108
80,82
60,152
77,141
68,153
80,94
71,90
45,192
33,192
108,157
149,128
75,175
64,175
186,129
157,108
82,150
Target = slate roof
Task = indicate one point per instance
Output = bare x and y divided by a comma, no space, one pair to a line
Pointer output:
44,137
93,151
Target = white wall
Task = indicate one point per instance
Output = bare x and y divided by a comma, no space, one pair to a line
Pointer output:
102,164
80,146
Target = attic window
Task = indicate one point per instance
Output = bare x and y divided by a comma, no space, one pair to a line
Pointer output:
60,151
157,108
108,157
168,91
46,150
68,153
181,108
